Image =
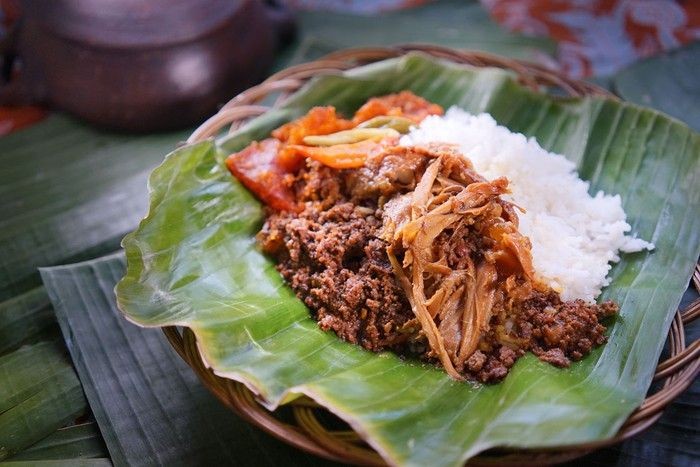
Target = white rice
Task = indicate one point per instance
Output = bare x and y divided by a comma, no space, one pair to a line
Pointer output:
574,236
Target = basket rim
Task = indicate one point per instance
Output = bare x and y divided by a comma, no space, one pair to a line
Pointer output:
678,371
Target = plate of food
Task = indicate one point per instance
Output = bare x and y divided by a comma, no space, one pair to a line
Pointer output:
443,258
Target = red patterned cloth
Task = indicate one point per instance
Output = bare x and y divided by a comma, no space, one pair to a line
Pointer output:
598,37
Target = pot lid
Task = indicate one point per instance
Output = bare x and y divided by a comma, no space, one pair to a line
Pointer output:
132,23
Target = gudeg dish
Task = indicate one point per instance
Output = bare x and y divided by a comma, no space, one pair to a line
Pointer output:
194,262
408,248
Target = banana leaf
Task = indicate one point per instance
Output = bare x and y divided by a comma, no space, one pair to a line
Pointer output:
69,443
39,393
68,194
147,402
667,82
101,462
26,318
193,262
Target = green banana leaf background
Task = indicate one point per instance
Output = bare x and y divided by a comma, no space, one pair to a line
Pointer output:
69,192
665,82
193,262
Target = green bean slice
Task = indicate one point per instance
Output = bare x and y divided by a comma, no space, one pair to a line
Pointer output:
350,136
400,124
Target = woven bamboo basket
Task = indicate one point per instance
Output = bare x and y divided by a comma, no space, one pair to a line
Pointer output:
310,427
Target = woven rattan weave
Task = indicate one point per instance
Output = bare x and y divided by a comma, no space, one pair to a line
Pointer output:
306,430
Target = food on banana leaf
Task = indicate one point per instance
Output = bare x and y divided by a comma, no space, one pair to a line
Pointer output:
458,243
